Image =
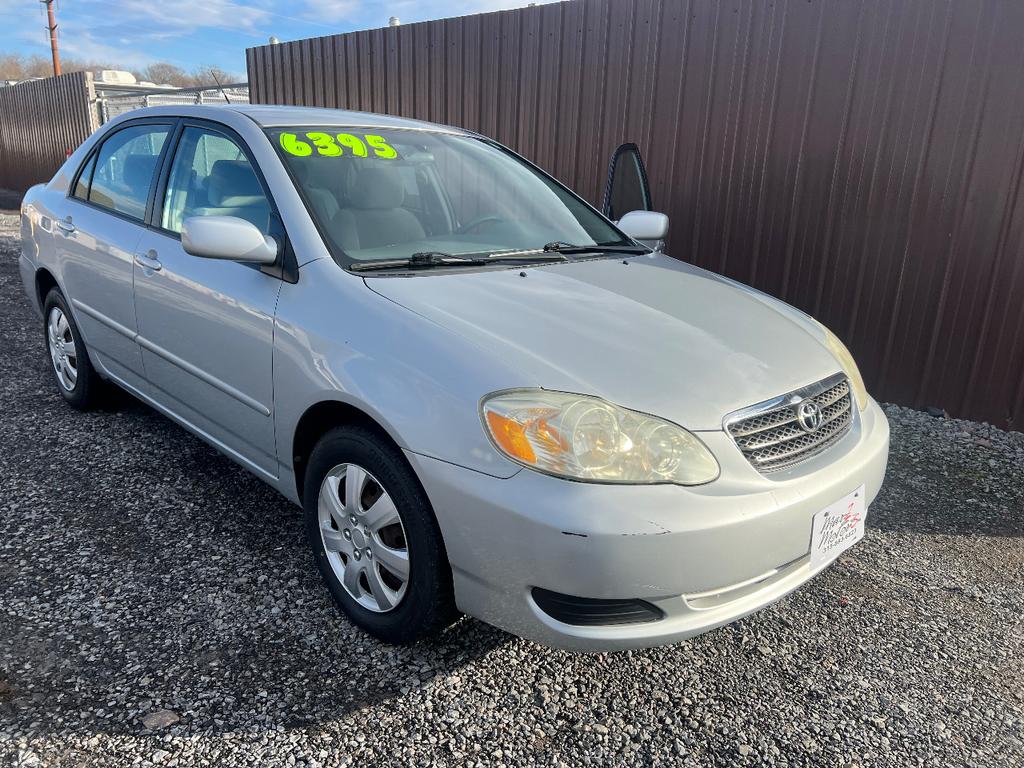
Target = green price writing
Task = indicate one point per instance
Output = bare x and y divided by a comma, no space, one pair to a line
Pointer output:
337,145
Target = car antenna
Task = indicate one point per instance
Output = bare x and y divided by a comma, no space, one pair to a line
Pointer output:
219,88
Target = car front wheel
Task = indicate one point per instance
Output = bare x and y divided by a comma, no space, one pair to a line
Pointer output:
374,537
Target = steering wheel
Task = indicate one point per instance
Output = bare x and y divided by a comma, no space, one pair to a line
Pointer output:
470,226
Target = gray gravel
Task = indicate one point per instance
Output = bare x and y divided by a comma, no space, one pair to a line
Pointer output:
158,606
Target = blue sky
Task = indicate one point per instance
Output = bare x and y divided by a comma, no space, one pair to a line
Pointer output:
191,33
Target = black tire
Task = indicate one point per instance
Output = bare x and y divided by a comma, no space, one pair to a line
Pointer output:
86,393
428,604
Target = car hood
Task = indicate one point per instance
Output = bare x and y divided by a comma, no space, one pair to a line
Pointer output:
649,333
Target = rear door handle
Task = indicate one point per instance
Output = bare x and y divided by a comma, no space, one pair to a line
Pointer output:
148,261
65,226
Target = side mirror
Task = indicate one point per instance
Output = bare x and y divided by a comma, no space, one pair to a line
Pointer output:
229,238
645,225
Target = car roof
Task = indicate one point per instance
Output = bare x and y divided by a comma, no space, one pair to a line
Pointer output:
275,115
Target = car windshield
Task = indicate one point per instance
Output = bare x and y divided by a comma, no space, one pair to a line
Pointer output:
381,194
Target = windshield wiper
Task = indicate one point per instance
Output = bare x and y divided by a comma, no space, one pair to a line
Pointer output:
569,248
428,259
533,254
422,259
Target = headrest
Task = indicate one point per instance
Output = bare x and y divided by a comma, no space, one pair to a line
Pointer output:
320,175
301,171
232,182
377,187
138,171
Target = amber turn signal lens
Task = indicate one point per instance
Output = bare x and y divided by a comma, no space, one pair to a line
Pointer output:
510,436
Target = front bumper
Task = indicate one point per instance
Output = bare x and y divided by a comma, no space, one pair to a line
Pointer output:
704,555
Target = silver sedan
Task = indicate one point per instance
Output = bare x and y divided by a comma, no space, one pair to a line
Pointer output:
486,396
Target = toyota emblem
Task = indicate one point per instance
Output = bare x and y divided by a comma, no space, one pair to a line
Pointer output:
809,415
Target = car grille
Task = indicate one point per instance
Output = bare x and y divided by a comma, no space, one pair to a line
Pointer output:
771,436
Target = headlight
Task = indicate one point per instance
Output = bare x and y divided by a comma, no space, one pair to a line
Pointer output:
849,366
586,438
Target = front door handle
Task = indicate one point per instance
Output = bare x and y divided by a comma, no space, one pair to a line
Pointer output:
148,261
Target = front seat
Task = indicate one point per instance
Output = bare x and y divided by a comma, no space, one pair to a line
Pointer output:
233,190
321,198
374,216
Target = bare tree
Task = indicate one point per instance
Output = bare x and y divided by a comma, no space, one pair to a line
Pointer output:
212,75
162,72
16,66
10,67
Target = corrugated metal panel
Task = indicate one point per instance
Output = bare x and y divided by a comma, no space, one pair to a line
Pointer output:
862,161
40,121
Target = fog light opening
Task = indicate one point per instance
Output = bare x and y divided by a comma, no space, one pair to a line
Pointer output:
594,612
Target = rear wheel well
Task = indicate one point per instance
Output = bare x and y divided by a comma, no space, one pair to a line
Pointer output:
315,422
45,282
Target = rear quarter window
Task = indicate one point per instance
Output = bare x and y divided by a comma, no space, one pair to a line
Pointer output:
85,179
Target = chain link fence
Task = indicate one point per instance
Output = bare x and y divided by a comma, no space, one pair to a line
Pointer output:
114,102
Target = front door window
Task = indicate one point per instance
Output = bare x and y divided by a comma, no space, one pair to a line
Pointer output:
211,176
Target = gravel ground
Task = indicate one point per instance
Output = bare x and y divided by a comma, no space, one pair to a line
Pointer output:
158,606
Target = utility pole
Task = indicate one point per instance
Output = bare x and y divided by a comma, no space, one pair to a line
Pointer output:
52,26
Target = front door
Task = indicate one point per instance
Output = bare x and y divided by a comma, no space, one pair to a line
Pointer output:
206,327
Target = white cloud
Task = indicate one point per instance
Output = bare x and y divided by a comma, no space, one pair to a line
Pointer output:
368,15
133,33
420,10
332,12
163,16
124,31
84,46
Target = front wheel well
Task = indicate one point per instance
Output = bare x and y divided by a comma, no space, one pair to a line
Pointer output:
45,282
315,422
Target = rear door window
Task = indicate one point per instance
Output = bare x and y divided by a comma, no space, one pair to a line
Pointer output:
125,166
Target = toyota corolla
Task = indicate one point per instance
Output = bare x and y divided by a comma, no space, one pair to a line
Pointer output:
487,396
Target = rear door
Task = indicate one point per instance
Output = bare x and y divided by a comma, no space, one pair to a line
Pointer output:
627,188
206,327
95,239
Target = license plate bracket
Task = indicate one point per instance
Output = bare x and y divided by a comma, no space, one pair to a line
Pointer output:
838,527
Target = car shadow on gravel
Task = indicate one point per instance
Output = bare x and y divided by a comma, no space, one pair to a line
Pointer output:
146,572
951,480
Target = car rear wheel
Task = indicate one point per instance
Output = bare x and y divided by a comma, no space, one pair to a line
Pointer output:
374,537
77,380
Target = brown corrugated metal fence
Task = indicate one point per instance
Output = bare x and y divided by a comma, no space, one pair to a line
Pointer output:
40,120
861,160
